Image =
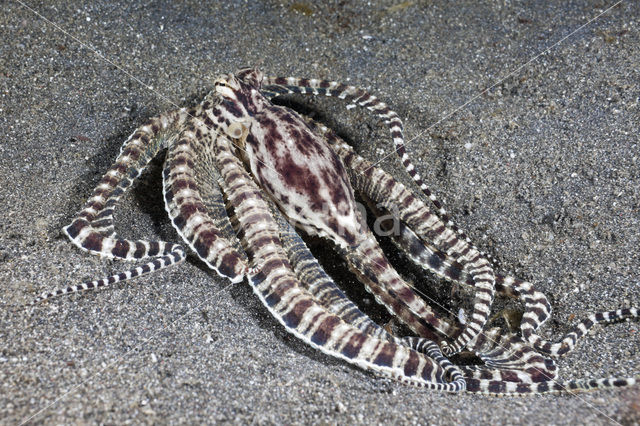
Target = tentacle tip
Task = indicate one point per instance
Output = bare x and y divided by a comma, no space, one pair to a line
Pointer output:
35,301
13,308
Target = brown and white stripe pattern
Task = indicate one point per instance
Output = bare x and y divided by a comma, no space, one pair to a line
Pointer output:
537,308
511,365
135,153
368,262
189,215
356,96
568,342
383,189
286,277
498,387
320,285
416,215
280,291
92,228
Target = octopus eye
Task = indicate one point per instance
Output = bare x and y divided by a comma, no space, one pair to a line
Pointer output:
226,85
236,130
